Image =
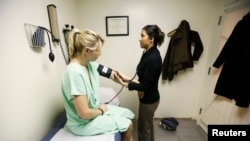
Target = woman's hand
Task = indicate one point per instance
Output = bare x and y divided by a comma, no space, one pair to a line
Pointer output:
140,94
123,76
127,79
118,78
122,79
103,107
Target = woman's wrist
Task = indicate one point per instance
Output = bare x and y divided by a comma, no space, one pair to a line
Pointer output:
125,85
112,75
102,112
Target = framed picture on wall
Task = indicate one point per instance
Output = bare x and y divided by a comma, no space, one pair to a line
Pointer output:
117,25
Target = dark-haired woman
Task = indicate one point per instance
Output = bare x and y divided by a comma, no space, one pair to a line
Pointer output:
148,72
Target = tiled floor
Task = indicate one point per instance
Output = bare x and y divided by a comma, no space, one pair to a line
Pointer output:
187,130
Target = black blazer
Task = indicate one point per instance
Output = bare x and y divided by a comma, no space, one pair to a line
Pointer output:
233,81
148,71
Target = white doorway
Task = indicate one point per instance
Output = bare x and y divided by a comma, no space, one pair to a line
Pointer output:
220,110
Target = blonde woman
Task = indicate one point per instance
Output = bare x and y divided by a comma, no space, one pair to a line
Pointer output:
80,90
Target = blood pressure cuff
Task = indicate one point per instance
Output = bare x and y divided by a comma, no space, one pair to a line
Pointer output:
104,71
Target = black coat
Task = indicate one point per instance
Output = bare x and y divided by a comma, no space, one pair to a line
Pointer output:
233,81
179,55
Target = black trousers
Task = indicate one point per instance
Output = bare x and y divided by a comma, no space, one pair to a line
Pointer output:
145,121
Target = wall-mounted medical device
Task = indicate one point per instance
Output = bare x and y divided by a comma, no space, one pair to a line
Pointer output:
35,34
53,22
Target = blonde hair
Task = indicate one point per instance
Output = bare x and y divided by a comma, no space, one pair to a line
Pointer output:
84,38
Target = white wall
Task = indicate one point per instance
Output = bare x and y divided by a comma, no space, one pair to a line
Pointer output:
30,83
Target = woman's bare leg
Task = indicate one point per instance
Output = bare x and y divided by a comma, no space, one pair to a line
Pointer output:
127,136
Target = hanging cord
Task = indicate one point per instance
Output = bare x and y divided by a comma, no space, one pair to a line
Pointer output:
126,81
114,96
66,32
118,93
51,55
67,45
65,59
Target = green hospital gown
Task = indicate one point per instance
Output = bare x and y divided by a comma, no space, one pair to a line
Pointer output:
78,80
